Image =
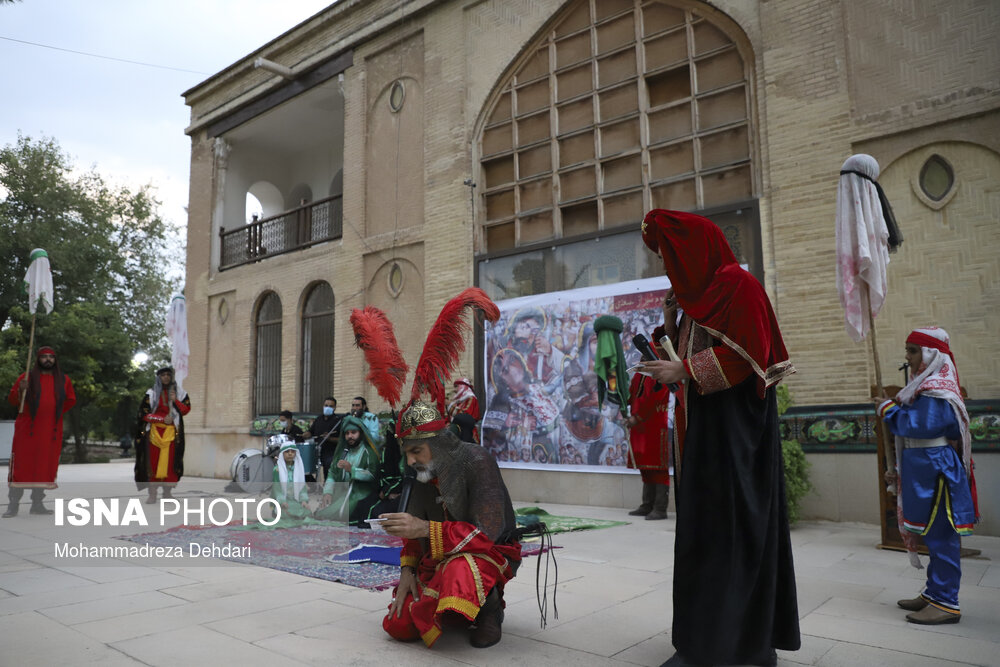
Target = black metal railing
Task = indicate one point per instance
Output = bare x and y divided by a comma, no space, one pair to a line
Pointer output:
291,230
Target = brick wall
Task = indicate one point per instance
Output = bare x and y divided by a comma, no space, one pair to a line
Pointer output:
812,110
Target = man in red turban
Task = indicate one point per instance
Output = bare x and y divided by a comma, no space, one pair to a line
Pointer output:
47,394
734,584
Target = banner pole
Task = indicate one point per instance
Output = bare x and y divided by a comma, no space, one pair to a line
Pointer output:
27,368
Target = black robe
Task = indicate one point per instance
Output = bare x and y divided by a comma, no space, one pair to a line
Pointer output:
734,583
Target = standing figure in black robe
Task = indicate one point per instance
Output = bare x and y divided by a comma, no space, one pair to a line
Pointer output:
734,583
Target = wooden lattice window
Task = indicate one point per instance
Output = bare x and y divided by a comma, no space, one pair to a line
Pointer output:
619,107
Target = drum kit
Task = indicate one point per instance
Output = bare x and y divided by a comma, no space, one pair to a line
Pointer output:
253,469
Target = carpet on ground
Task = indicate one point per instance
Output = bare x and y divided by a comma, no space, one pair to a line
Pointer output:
306,549
528,516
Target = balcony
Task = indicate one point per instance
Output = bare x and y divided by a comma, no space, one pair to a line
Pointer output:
295,229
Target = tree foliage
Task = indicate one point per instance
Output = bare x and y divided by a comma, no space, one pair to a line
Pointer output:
110,253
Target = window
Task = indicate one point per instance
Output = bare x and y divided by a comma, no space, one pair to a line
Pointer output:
267,356
620,107
317,347
936,178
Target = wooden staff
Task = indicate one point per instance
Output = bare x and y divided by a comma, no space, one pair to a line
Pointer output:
27,368
871,327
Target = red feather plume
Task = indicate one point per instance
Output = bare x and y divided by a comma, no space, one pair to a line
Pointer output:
386,367
445,344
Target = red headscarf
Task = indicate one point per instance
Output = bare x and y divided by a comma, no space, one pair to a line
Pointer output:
716,292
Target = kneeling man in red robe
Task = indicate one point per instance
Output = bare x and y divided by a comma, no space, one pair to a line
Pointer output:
47,394
458,553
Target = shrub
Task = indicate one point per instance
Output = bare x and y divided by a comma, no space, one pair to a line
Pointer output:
797,483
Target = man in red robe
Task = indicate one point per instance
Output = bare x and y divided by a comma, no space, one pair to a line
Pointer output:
159,442
649,436
34,460
457,553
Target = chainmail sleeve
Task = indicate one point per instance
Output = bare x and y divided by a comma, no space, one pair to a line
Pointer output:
471,485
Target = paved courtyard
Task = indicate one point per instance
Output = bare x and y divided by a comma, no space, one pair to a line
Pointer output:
614,604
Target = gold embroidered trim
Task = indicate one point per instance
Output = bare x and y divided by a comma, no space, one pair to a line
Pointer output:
477,576
436,534
465,607
431,636
461,545
773,373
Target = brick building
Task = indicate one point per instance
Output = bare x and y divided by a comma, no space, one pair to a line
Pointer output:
401,150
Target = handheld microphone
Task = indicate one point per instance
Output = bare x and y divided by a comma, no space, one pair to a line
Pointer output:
649,354
404,495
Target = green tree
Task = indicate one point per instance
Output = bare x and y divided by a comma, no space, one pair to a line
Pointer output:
110,253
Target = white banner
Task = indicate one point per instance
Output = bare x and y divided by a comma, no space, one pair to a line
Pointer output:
541,389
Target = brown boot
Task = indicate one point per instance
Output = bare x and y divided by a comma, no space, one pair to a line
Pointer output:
487,631
931,615
916,604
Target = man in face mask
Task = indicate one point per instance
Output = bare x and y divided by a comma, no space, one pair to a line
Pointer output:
326,426
46,394
288,425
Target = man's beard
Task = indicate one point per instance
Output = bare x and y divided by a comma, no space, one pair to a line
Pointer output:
47,365
425,471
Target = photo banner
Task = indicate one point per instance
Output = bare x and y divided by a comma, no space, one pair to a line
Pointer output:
541,390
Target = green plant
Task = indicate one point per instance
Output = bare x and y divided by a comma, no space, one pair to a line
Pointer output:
797,483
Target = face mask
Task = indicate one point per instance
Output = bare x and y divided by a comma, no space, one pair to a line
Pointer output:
327,410
283,423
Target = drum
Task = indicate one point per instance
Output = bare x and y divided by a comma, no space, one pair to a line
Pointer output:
309,451
252,471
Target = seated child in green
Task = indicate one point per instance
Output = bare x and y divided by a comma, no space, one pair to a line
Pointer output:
289,483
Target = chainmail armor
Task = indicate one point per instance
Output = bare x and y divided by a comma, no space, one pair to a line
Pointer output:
470,486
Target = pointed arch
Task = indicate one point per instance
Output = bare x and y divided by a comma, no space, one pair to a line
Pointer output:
616,107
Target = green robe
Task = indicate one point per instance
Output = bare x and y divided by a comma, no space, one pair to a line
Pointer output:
296,506
355,491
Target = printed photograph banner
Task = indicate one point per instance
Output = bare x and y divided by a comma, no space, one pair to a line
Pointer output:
541,389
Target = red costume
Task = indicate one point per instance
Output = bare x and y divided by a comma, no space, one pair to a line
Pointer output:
456,574
163,432
159,446
734,581
650,435
38,430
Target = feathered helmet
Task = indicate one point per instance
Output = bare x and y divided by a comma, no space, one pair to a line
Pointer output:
445,343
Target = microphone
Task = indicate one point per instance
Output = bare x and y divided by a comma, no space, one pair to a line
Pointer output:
404,495
649,354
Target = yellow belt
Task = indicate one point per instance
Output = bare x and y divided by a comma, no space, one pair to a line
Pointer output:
162,436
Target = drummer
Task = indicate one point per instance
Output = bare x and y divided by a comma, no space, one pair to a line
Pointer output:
289,427
326,429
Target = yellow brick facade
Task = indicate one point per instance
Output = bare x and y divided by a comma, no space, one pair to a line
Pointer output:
899,80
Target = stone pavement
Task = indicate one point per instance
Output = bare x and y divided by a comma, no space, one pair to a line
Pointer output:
614,604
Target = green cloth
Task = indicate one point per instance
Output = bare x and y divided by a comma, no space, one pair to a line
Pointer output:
609,362
294,509
529,516
349,489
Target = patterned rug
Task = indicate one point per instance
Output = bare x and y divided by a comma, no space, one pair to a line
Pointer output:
298,549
